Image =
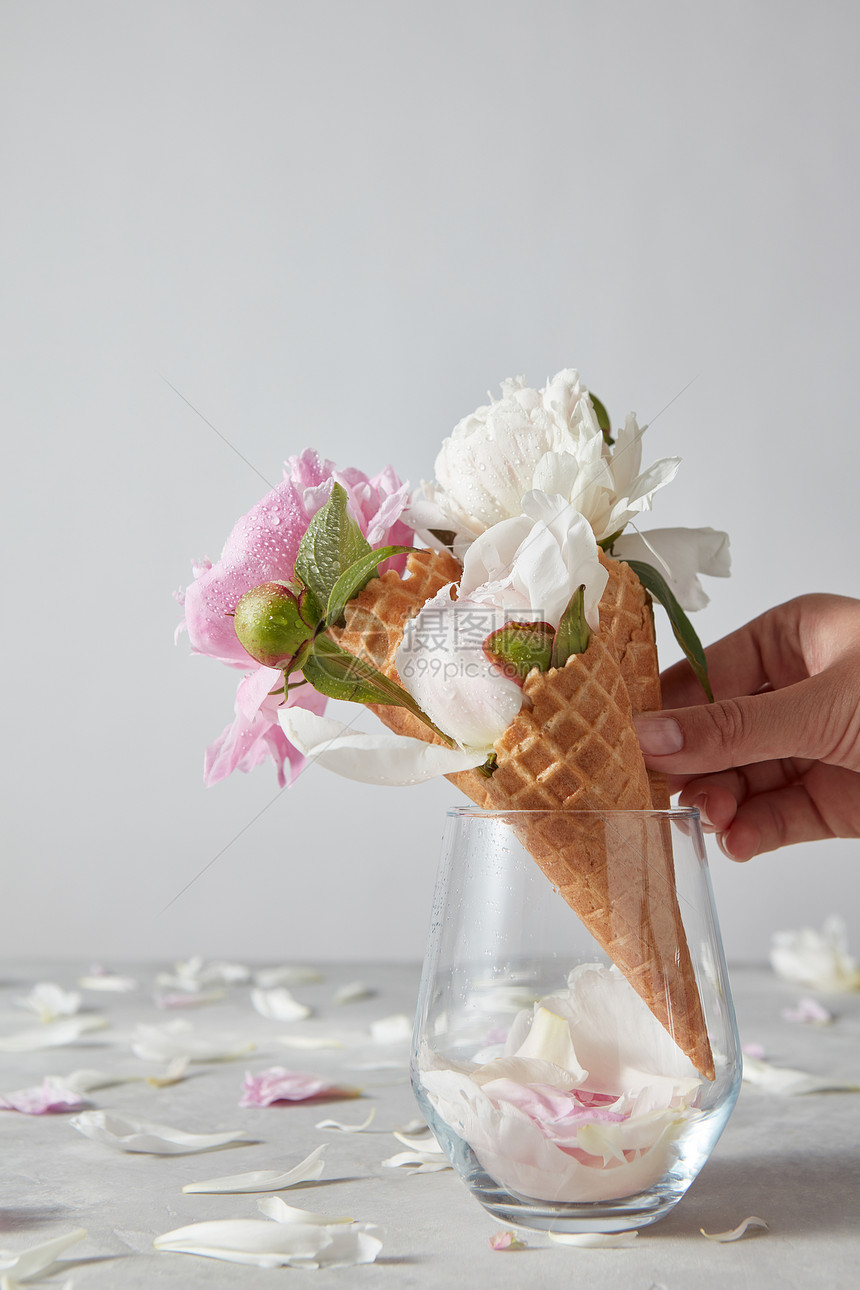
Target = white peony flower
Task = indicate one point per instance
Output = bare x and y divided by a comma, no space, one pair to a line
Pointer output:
548,439
442,664
533,563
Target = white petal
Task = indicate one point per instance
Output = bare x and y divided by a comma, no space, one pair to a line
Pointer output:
309,1042
426,1162
392,1030
308,1170
182,999
84,1081
289,974
683,554
348,1128
353,992
108,983
53,1034
279,1005
161,1043
782,1079
441,662
550,1040
817,959
594,1240
372,759
381,1064
24,1264
737,1232
128,1133
269,1245
412,1126
426,1143
50,1001
174,1074
275,1208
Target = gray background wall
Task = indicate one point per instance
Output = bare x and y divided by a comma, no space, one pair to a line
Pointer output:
339,224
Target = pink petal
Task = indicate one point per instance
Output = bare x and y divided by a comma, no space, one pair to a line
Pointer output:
261,548
277,1084
46,1099
808,1011
557,1114
505,1241
255,688
249,740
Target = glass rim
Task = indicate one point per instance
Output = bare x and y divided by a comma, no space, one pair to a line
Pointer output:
667,813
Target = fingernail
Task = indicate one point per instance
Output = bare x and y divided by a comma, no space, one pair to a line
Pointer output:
659,735
700,804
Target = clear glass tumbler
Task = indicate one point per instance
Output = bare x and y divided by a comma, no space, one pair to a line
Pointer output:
575,1047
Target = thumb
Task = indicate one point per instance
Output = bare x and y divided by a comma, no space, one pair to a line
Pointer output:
792,722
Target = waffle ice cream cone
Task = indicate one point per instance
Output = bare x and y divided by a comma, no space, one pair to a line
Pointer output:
627,616
573,747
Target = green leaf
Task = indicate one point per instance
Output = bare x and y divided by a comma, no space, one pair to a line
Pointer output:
358,575
683,629
573,632
332,544
602,419
518,647
270,624
340,675
607,543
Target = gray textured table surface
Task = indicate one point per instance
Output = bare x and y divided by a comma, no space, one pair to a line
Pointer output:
793,1161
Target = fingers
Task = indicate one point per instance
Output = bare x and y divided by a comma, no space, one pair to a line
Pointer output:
766,651
803,720
768,821
777,649
748,823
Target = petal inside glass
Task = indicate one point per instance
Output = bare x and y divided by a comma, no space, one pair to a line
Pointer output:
575,1048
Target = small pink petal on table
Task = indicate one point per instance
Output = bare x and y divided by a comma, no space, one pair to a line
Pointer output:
48,1098
756,1051
808,1011
277,1084
506,1241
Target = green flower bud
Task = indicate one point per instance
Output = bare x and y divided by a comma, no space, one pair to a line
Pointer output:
269,624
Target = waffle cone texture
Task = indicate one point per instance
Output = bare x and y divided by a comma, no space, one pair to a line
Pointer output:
573,747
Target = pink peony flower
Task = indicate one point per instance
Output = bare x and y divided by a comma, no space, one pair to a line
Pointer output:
262,548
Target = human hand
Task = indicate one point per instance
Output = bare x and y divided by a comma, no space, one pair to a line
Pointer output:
776,758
